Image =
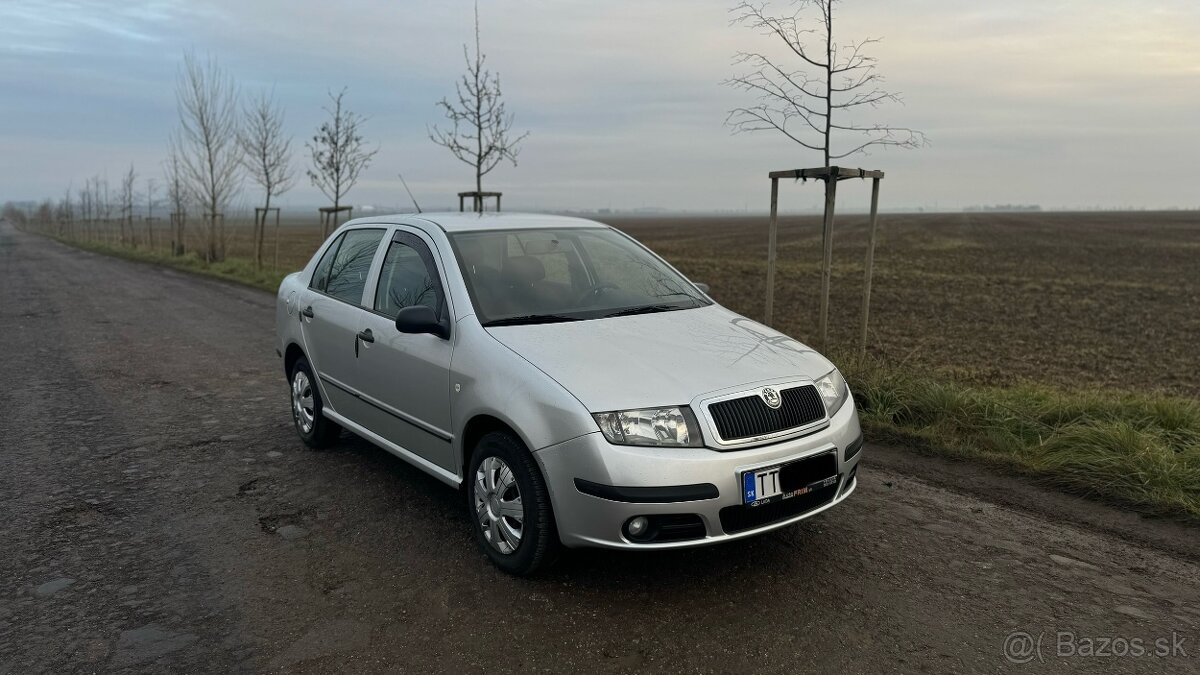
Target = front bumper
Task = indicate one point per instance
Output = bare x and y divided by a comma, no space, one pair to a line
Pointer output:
588,520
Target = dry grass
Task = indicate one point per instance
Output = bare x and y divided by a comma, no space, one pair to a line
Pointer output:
1141,450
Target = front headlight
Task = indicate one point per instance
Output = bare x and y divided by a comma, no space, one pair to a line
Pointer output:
833,391
669,427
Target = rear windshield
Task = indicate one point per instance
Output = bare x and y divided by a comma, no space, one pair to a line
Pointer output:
548,275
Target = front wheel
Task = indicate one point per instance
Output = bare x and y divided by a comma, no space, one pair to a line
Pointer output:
510,508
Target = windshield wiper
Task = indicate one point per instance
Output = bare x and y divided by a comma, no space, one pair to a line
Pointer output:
647,309
530,319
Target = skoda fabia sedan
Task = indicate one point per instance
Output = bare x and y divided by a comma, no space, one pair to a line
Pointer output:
575,387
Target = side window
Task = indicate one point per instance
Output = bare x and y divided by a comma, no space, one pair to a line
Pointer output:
408,277
321,274
348,273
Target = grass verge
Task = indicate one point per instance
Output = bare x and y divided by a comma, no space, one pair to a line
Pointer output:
1139,450
238,270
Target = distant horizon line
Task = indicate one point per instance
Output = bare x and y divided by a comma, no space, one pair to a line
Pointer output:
361,210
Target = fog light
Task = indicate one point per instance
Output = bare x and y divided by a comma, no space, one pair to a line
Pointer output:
637,526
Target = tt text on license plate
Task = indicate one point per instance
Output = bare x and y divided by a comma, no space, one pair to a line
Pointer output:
761,485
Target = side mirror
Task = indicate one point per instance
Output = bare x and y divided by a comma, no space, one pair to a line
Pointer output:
703,287
421,319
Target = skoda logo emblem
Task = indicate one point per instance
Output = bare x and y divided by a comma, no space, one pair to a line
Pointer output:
770,397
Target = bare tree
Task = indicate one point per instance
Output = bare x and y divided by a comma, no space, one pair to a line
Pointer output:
338,152
177,196
802,105
481,129
84,207
208,149
127,198
104,199
66,213
87,206
267,156
97,211
151,189
44,214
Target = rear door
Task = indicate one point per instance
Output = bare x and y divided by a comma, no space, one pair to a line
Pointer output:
405,377
332,309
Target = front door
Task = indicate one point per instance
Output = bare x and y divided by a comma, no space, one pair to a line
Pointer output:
331,310
405,377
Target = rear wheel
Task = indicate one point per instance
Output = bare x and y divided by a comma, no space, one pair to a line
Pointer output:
510,506
314,428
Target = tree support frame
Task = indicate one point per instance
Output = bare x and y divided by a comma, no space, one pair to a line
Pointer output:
329,217
830,175
478,200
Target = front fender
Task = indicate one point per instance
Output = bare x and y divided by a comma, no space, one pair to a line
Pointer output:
488,378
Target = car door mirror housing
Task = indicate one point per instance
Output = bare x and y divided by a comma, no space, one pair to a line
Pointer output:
703,287
421,319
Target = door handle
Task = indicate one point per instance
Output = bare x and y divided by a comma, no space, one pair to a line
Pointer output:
307,312
364,335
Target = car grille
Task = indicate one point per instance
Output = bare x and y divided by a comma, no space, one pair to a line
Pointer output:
750,416
741,518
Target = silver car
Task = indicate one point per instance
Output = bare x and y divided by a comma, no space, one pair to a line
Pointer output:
574,386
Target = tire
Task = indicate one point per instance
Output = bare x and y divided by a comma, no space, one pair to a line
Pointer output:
316,430
489,493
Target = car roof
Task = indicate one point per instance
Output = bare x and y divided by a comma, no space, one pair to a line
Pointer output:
474,222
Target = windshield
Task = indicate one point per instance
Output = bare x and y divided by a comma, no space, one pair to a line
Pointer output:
543,276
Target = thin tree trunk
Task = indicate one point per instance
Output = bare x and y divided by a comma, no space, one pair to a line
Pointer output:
478,124
828,76
262,228
332,217
213,235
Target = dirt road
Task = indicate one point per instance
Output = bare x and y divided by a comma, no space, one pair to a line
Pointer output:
158,513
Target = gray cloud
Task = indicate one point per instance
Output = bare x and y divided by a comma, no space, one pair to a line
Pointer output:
1024,101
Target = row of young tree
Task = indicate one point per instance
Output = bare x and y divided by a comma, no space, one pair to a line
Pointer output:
224,139
220,142
93,209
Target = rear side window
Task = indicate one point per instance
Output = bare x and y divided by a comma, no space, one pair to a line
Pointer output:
321,275
351,263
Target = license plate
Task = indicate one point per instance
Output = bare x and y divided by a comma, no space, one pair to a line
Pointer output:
783,481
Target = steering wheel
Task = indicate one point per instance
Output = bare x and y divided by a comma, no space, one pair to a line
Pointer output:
594,291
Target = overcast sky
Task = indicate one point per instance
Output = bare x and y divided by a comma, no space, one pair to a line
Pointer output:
1065,103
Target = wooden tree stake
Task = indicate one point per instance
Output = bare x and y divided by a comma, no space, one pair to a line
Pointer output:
870,266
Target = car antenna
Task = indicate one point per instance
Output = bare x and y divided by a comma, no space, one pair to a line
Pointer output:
410,194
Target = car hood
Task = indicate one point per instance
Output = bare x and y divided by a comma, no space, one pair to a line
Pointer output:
666,358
